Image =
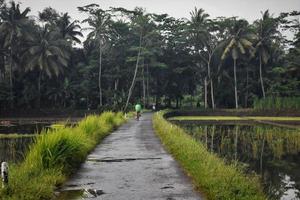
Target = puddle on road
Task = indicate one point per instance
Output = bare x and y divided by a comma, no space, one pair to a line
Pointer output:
120,160
167,187
79,194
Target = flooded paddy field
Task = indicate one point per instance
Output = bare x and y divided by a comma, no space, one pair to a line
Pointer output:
17,134
270,151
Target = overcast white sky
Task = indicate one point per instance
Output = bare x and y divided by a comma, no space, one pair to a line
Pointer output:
248,9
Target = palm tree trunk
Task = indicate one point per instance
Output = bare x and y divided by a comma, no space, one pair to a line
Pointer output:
11,75
147,101
205,92
116,90
100,72
39,90
211,84
247,89
261,78
135,74
235,85
144,84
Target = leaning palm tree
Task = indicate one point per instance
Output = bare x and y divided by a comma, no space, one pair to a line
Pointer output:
47,53
238,43
266,31
140,23
12,28
100,27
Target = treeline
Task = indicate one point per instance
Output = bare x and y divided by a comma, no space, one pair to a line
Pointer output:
131,55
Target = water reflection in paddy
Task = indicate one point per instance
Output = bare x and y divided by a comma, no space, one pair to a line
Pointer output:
13,149
271,152
16,138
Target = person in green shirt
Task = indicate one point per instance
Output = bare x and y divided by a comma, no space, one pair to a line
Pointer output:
138,109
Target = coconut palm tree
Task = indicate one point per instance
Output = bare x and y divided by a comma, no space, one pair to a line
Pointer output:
12,28
266,31
47,53
69,30
238,43
100,27
140,24
199,35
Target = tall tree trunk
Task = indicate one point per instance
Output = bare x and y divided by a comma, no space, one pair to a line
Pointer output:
135,73
211,84
100,73
235,85
147,101
247,89
11,75
144,84
261,77
205,92
39,90
116,89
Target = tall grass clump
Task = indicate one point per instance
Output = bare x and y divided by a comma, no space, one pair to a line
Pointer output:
55,155
209,173
277,103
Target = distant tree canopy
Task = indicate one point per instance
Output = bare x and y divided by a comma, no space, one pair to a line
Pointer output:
133,56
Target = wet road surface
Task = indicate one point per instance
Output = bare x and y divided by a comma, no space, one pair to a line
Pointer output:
130,164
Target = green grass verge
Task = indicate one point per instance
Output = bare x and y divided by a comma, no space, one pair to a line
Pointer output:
55,155
205,118
232,118
209,173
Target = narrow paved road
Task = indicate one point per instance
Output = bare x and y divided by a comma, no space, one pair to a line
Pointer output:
131,164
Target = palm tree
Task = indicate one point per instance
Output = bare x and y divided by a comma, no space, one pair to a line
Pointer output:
12,28
69,30
47,53
266,31
199,36
100,26
238,42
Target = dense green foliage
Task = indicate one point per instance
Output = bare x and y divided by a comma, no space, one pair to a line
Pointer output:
132,55
209,173
278,103
55,155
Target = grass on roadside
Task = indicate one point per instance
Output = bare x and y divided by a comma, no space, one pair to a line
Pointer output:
55,155
232,118
209,173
